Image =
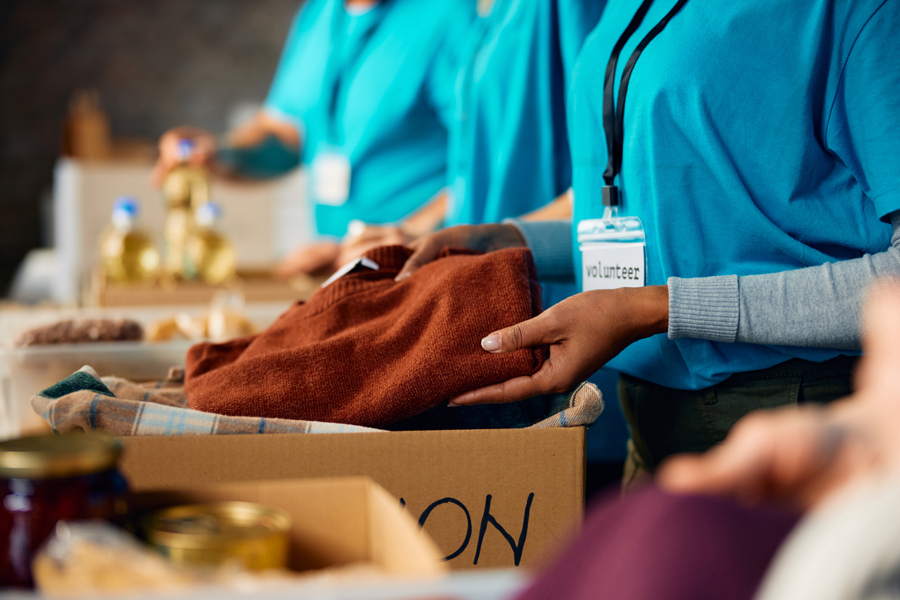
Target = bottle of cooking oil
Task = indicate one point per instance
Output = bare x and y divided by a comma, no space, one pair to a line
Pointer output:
126,253
185,188
211,257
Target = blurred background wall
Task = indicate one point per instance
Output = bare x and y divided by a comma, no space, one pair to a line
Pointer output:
155,64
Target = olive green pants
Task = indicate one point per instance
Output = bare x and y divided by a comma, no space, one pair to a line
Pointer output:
664,421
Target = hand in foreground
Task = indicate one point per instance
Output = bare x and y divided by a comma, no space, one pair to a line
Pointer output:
801,456
584,332
204,151
485,238
796,456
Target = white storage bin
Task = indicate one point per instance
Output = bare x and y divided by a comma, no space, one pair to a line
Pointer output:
36,368
26,371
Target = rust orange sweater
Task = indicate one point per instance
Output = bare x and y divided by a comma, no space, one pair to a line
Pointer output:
369,351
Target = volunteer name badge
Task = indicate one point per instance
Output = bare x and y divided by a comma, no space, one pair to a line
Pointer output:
331,178
613,253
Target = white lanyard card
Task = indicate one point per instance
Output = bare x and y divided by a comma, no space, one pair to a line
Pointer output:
613,253
331,177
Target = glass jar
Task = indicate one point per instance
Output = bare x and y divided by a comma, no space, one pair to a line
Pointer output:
46,479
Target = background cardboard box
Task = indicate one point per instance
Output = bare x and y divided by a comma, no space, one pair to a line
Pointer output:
264,220
489,498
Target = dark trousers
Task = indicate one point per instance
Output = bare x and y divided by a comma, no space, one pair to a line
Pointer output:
664,421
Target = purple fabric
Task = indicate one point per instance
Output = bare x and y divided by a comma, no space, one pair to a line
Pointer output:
657,546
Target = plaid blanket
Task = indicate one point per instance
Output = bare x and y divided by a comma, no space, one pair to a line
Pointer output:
85,401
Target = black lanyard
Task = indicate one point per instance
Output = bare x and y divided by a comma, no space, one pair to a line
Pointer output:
613,113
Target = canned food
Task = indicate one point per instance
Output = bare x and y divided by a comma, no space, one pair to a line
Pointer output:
217,533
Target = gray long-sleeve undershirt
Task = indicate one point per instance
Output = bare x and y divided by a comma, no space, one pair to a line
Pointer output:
813,307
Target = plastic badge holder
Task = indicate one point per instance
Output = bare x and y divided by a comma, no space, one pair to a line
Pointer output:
612,253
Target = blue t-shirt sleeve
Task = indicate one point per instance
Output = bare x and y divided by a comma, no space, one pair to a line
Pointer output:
864,124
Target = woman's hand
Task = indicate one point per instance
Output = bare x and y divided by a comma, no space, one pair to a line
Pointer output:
485,238
251,133
169,156
584,332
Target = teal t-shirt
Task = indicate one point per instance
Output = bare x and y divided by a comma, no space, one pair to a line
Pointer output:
378,88
509,148
759,137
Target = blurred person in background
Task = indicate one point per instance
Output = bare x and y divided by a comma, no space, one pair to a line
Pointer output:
509,148
722,522
363,97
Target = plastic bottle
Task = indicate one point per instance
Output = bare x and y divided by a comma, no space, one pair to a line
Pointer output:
185,188
211,257
127,254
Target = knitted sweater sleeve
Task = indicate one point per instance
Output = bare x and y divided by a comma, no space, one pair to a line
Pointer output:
814,307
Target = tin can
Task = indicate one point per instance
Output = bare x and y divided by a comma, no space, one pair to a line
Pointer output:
217,533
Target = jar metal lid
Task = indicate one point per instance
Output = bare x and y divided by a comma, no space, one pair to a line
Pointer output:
216,525
58,456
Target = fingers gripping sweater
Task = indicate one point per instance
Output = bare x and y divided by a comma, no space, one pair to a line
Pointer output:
369,351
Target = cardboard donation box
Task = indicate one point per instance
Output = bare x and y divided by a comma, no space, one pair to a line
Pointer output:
488,498
334,522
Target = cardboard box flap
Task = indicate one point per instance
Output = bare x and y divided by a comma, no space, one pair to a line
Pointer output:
393,531
334,522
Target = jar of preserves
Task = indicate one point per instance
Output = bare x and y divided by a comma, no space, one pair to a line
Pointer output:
46,479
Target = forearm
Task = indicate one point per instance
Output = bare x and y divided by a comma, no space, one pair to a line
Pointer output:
550,243
267,146
559,208
814,307
428,218
819,306
267,159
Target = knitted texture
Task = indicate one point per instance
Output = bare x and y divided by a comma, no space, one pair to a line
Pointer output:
369,351
706,308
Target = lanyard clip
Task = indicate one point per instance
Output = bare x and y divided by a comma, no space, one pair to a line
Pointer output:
610,195
610,203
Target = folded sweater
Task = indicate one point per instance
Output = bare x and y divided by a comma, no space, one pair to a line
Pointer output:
369,351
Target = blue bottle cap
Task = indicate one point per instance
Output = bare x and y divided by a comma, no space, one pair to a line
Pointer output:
185,149
208,213
128,205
